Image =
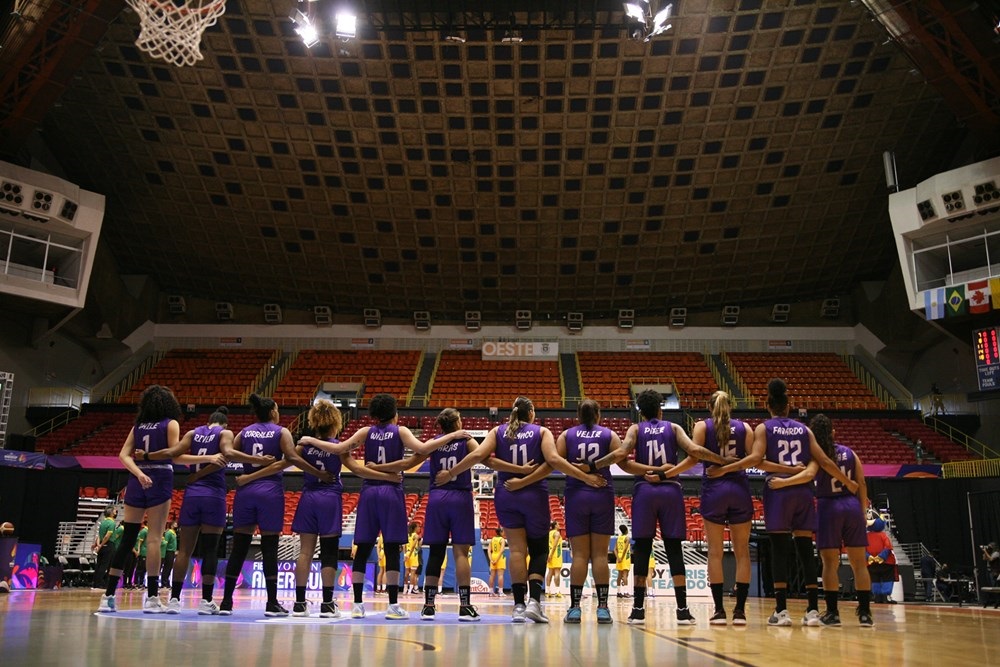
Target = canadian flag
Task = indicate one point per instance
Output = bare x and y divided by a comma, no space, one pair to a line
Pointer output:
978,295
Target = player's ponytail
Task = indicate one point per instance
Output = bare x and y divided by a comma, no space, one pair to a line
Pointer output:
822,428
519,414
719,405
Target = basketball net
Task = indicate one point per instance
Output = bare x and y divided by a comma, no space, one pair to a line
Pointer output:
173,32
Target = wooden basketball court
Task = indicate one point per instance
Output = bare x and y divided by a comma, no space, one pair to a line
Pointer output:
61,628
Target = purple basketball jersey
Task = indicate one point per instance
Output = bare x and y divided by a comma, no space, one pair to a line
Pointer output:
787,442
262,440
383,445
736,447
655,443
322,460
586,445
205,442
152,437
447,457
827,486
526,445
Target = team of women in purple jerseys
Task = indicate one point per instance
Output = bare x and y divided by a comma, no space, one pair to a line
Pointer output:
523,454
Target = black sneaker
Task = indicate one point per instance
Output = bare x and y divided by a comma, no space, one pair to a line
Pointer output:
865,619
739,617
637,617
329,610
718,618
226,608
684,617
274,609
830,619
427,613
300,609
468,614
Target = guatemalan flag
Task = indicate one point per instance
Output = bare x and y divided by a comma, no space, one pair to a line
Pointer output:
934,303
978,295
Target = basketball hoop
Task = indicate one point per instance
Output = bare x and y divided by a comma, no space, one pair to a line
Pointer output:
173,32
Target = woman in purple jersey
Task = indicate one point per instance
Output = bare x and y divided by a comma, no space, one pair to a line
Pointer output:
784,446
726,500
450,513
381,507
148,492
842,522
590,504
515,451
319,515
203,511
260,503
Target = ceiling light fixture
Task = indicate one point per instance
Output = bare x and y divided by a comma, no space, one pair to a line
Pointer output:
305,28
347,25
645,24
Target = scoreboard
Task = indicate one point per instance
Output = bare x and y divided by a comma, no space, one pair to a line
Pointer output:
987,344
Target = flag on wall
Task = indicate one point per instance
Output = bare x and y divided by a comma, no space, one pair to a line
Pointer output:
995,292
955,298
934,303
978,293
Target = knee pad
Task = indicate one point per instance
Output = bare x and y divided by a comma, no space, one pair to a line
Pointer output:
807,558
364,550
640,556
781,548
538,551
675,557
129,535
269,551
436,560
328,552
210,553
392,551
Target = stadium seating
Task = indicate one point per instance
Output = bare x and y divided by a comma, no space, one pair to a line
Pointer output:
381,371
464,379
607,376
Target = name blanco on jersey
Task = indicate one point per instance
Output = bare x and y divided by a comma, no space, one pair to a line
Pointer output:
524,435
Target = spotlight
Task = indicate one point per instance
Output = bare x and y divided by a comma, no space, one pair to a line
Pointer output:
512,37
347,25
638,11
305,29
660,24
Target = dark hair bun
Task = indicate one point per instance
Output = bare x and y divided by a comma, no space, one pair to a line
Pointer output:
223,409
256,400
777,388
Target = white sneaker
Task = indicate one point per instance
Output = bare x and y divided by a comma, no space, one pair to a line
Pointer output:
358,610
208,608
396,613
107,605
812,619
533,610
519,615
152,605
173,606
781,618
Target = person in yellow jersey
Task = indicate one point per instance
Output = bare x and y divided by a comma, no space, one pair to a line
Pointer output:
380,580
498,562
652,571
411,558
555,560
623,560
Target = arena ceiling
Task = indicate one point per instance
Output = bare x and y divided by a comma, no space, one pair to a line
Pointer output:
736,159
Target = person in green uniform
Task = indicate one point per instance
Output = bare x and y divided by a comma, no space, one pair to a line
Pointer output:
140,556
168,550
103,547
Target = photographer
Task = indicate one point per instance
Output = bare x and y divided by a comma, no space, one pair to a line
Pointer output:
991,554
